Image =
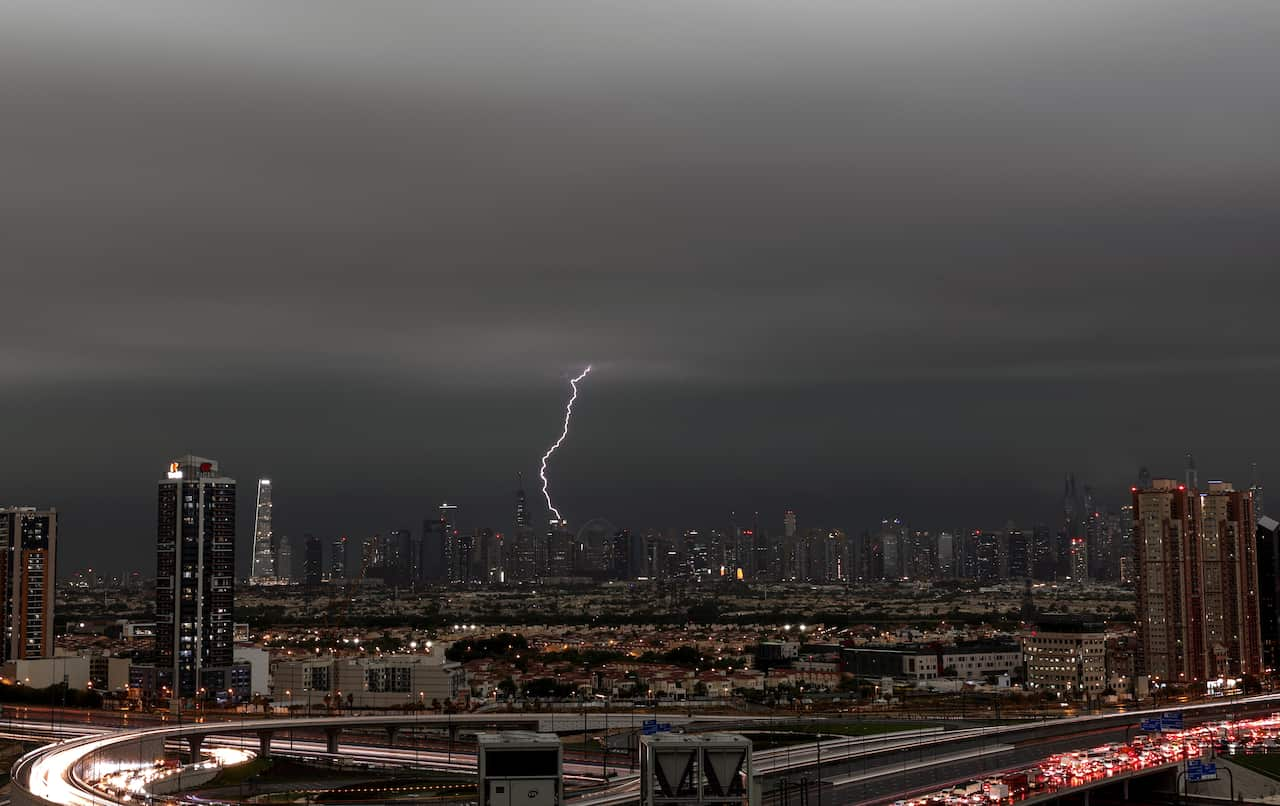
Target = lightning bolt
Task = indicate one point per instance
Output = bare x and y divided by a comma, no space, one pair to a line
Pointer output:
568,412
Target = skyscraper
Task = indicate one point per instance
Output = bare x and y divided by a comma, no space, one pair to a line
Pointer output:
1170,619
1269,590
789,524
338,559
264,550
28,538
522,508
1079,559
1229,553
987,547
946,556
312,561
431,565
195,573
1255,487
284,559
1017,553
1197,581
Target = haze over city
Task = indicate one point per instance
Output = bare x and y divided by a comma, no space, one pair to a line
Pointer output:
847,259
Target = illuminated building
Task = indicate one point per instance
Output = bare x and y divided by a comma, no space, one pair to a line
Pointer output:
30,538
264,549
1079,559
987,552
1197,581
1017,555
1228,553
338,559
1170,618
1066,656
195,573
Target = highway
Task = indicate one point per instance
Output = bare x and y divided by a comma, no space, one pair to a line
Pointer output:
852,769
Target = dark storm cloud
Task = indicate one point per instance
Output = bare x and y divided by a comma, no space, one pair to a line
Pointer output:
840,253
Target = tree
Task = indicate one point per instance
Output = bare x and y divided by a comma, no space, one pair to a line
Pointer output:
683,655
507,687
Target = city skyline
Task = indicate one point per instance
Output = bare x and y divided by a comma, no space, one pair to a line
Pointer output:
1047,512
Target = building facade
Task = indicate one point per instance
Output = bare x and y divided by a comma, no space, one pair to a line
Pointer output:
264,549
1269,591
390,681
195,574
1070,658
29,539
1196,574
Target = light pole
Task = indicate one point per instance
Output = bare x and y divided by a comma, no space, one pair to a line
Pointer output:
604,740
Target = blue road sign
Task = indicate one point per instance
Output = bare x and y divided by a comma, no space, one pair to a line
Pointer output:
1171,720
1151,724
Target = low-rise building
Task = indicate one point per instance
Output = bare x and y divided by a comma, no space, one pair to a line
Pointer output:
975,660
1067,657
390,681
908,664
73,670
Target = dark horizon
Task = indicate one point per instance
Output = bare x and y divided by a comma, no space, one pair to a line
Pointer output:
853,259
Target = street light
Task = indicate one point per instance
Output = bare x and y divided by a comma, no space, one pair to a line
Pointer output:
604,740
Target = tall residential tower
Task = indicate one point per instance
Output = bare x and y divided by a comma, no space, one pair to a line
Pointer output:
29,538
195,573
1196,574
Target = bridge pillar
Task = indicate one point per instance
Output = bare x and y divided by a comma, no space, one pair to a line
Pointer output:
264,743
1126,789
331,739
392,730
195,741
1086,797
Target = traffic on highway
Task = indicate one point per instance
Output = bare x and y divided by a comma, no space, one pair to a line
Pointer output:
1064,771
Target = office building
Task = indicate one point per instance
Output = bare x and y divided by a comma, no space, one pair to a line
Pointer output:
284,559
1067,657
1079,559
987,552
522,505
29,538
264,548
399,565
195,573
338,559
946,556
391,681
312,561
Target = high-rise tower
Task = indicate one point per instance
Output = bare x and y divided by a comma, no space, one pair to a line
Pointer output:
1197,581
195,573
522,507
1255,487
28,540
264,553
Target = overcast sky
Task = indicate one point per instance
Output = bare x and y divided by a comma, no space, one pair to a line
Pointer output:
855,258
